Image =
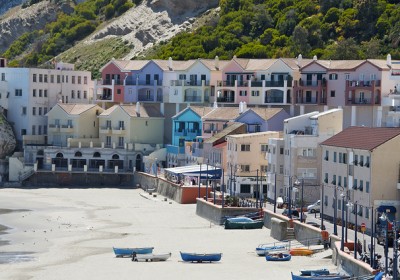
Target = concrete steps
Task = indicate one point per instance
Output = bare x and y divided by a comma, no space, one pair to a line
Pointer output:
290,234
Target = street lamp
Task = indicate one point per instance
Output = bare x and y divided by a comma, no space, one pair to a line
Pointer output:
350,206
302,200
384,218
395,247
291,185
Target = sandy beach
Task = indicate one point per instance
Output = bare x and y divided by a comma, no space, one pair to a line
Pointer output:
69,234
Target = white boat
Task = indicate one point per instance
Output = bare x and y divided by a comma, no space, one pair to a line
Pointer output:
151,257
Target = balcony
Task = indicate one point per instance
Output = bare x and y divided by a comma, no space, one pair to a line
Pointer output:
118,130
105,129
145,97
54,128
226,99
67,128
192,98
274,83
225,83
366,85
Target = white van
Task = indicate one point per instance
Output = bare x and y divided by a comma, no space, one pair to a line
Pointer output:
314,208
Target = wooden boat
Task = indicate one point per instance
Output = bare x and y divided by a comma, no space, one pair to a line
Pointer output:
319,277
278,257
195,257
301,252
262,250
243,223
151,257
128,252
318,271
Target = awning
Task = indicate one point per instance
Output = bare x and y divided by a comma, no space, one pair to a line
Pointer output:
386,209
194,170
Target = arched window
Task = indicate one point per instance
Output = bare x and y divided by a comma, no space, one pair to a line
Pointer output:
59,155
96,154
78,154
115,157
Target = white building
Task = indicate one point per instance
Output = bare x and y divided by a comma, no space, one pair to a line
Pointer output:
27,94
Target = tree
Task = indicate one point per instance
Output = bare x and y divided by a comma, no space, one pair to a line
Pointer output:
300,41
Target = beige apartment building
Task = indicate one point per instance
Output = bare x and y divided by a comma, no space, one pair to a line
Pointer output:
302,136
361,166
247,163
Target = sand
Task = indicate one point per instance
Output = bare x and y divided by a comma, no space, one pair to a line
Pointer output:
69,234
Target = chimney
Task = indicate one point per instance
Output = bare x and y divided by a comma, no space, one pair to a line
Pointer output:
138,108
315,58
389,60
244,106
240,107
216,62
215,104
170,63
299,60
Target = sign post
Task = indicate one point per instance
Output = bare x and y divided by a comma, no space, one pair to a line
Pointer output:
363,229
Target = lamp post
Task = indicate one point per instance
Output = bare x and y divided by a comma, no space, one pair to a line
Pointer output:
302,200
342,240
335,213
350,206
275,193
222,189
384,218
215,181
199,180
291,184
207,183
372,253
322,208
395,247
257,192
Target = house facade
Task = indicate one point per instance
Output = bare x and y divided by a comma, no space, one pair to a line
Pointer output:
360,167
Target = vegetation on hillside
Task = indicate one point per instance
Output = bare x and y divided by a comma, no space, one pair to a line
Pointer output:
62,34
330,29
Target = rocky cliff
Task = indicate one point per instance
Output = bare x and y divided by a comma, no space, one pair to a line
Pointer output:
153,21
5,5
7,138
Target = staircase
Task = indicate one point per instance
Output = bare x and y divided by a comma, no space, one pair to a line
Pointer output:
290,234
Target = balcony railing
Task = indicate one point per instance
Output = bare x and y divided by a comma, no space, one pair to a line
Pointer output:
192,98
226,99
225,83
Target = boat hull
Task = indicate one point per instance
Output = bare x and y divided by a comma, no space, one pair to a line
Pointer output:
278,258
194,257
128,252
301,252
262,251
309,272
151,257
243,223
319,277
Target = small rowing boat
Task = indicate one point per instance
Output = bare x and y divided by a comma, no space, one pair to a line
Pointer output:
151,257
196,257
301,252
128,252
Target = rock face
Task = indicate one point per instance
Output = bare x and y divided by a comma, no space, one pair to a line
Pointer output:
32,18
7,138
6,5
153,21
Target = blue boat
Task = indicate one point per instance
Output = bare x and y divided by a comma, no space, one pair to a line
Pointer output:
243,223
128,252
262,250
318,271
278,257
195,257
335,276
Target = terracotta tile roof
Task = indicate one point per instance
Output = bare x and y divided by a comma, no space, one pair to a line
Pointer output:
241,61
129,65
76,109
363,138
231,128
146,110
201,111
223,113
293,62
266,113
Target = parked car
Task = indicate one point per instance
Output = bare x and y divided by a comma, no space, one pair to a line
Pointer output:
314,208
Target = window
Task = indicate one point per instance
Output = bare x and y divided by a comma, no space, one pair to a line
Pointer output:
79,79
355,159
360,210
355,184
361,160
118,91
84,94
344,181
326,178
326,155
44,110
264,147
24,111
120,141
334,156
255,93
58,79
39,130
72,94
85,80
245,188
79,94
34,92
52,79
182,77
45,78
245,148
361,187
347,76
333,93
45,93
34,78
367,214
333,76
339,180
344,158
40,78
108,141
45,130
121,125
243,93
245,168
18,92
40,111
33,129
334,180
23,131
40,93
264,168
73,79
3,76
34,111
366,161
108,124
281,169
